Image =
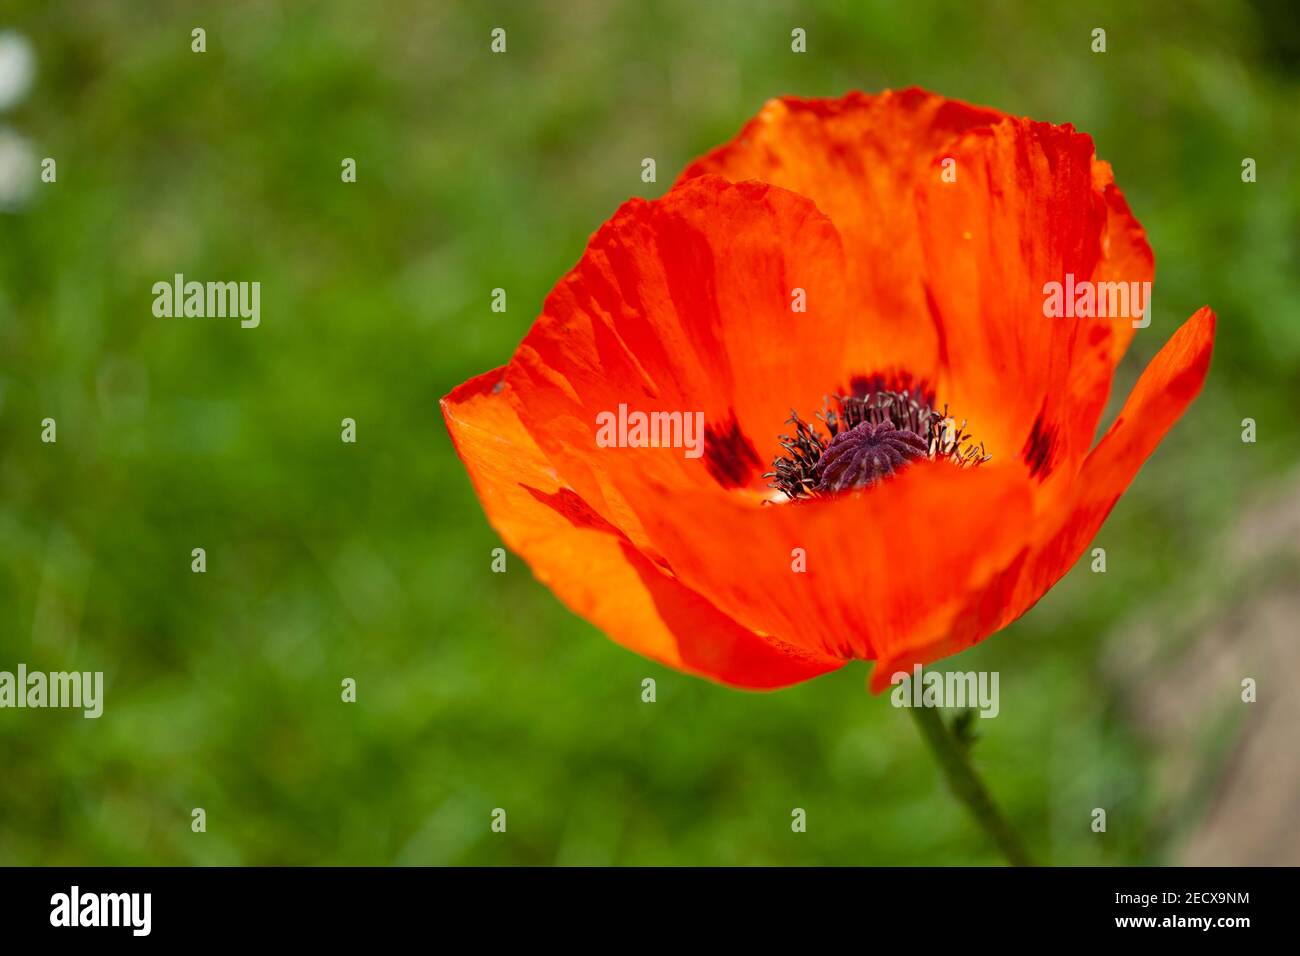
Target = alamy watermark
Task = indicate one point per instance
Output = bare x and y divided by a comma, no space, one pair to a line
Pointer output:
957,689
83,690
209,300
1098,300
75,908
636,429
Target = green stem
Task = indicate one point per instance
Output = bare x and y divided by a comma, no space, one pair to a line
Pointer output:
966,784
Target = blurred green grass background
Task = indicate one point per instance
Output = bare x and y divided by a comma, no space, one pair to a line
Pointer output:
327,560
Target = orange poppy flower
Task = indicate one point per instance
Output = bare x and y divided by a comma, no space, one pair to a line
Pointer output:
878,265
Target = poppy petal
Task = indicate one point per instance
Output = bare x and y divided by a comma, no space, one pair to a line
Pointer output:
1167,386
857,576
590,565
1021,213
1126,258
684,305
858,158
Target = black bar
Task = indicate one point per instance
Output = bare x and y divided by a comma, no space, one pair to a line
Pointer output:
330,906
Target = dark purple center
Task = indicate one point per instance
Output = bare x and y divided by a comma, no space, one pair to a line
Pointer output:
867,439
866,454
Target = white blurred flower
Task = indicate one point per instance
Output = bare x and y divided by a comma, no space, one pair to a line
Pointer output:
17,170
17,67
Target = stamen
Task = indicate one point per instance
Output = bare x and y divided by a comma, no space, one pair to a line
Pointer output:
871,437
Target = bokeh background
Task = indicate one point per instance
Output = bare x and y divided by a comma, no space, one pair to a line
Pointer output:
371,561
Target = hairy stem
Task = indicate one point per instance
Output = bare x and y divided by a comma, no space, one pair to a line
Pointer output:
966,784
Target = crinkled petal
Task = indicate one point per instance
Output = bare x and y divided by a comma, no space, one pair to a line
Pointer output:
590,565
